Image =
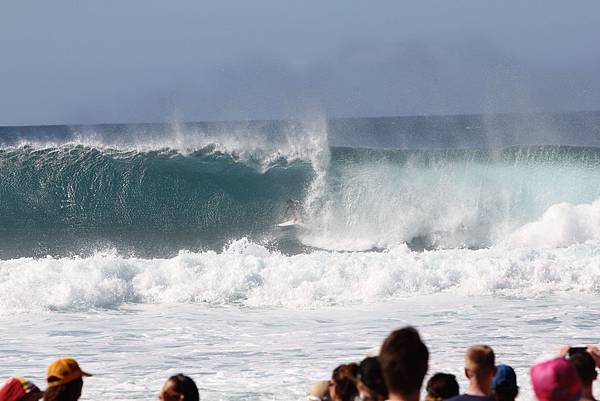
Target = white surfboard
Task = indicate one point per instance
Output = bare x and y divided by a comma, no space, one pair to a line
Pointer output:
289,223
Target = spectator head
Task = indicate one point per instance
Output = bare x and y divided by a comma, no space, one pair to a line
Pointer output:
505,383
404,360
319,391
343,383
20,389
65,380
441,386
556,380
480,366
586,368
179,388
371,385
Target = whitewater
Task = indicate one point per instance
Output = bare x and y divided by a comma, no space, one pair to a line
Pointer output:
149,250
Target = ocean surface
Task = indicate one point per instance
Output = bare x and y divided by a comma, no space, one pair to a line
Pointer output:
148,249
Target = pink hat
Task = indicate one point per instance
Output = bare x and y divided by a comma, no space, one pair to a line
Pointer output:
556,380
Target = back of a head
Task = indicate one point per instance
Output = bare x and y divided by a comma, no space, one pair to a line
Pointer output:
442,386
185,385
404,360
371,378
70,391
18,388
585,366
556,380
344,377
480,360
505,383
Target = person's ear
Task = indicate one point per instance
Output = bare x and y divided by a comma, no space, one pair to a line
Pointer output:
467,373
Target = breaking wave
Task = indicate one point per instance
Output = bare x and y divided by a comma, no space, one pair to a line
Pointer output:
94,223
248,274
71,198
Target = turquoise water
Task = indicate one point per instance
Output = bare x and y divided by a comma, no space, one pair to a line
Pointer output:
67,199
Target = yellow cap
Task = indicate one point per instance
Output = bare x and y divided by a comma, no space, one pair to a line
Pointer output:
64,370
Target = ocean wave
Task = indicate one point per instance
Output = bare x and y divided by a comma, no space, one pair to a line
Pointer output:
245,273
355,199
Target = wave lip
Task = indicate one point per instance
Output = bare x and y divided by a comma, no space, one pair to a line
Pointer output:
249,274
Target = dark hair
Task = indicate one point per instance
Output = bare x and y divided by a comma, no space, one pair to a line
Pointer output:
371,376
585,366
404,360
442,386
70,391
344,377
505,394
185,385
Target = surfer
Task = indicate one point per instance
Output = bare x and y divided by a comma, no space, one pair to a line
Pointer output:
295,208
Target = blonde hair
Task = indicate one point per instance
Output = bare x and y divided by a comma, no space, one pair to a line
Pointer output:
480,359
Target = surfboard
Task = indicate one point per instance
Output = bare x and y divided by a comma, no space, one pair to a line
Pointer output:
289,223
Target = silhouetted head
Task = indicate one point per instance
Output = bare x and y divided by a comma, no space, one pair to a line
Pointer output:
371,385
441,386
179,388
505,383
404,360
343,383
585,366
70,391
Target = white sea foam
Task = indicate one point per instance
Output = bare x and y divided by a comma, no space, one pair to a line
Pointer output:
249,274
446,204
561,225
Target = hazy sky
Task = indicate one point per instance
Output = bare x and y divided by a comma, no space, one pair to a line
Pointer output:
98,61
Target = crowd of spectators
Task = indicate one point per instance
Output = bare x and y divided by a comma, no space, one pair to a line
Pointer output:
396,374
65,383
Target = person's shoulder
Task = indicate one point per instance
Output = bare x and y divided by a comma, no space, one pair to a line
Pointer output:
467,397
